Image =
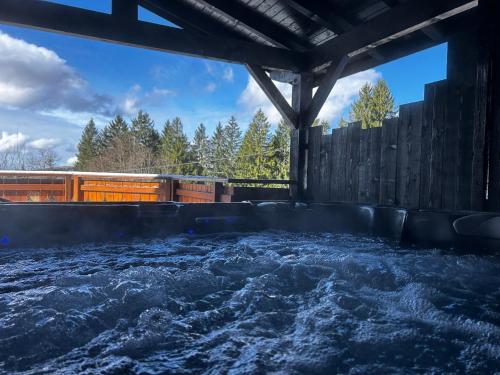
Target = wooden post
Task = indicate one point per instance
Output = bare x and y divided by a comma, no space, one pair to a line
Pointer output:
301,99
218,191
165,193
489,69
67,189
174,184
77,192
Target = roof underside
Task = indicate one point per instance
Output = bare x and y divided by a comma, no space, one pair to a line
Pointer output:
282,35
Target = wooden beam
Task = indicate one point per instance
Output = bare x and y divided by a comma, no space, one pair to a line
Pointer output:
188,17
274,95
126,9
465,22
322,13
326,15
332,75
75,21
431,31
259,24
395,23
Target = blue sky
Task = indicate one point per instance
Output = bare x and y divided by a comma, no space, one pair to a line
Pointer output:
74,79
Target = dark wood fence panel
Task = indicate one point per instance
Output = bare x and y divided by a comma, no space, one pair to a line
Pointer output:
388,162
333,166
314,159
409,154
431,168
352,162
325,159
342,166
374,155
432,156
364,166
369,165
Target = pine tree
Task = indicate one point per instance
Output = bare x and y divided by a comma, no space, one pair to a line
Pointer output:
252,161
362,108
325,125
382,103
218,152
232,140
87,147
175,148
201,150
143,130
115,129
342,122
279,148
373,105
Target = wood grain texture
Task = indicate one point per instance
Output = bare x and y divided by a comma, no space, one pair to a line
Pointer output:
409,155
388,161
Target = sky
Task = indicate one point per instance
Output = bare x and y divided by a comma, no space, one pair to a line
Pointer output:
51,85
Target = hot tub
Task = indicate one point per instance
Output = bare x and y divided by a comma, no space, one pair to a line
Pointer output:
247,288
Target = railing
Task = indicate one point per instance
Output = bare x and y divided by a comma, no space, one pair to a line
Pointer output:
27,186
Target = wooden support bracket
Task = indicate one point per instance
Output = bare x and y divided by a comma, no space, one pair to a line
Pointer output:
272,92
331,77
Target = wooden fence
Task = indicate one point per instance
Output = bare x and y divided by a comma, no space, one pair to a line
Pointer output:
16,186
429,157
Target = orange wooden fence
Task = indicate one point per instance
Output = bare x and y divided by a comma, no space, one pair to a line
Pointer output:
20,186
35,188
101,187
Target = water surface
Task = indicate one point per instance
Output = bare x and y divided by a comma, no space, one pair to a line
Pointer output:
250,303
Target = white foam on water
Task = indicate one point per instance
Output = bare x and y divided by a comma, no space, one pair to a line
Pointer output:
249,303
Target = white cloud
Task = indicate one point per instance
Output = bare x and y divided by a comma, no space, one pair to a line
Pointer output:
135,99
36,78
72,160
129,106
44,143
342,95
228,74
159,93
210,87
129,103
209,68
76,120
35,125
10,141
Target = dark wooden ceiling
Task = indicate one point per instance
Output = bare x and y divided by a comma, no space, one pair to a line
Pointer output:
294,35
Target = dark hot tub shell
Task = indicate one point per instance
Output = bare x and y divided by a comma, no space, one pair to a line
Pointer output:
40,225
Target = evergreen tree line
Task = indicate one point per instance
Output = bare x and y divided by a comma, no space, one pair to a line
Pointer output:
139,148
375,103
258,153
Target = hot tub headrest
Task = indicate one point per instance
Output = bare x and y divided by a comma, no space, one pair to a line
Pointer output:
479,225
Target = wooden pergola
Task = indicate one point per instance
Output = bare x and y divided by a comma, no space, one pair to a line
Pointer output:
306,43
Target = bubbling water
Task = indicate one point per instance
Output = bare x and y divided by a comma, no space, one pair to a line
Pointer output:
248,303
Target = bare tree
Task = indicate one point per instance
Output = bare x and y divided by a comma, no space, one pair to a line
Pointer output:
20,157
124,154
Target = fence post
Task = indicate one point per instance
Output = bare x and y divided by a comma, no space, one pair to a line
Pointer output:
174,184
77,193
218,191
67,188
165,194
